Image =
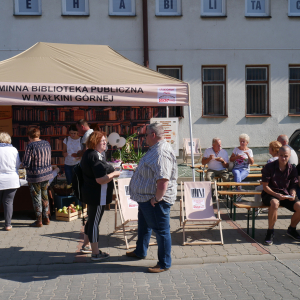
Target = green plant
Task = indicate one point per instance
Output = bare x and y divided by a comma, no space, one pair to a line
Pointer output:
128,154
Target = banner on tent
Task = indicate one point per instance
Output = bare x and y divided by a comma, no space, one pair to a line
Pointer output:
112,95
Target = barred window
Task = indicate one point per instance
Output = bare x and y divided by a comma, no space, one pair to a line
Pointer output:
257,90
176,72
214,91
294,90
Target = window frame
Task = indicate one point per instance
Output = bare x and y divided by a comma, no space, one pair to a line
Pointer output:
18,13
181,76
222,14
267,14
292,82
258,82
290,14
122,14
209,83
64,11
164,14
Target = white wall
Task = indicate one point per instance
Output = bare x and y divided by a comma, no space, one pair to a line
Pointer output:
190,41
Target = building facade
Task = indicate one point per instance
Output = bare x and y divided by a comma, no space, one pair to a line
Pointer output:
240,57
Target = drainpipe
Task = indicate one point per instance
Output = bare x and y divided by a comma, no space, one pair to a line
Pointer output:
145,33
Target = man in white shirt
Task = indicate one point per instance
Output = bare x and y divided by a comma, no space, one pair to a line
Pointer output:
284,140
217,160
85,131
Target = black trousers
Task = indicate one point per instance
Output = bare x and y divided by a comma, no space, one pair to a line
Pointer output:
91,229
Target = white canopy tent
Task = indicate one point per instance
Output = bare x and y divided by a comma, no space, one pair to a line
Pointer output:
86,75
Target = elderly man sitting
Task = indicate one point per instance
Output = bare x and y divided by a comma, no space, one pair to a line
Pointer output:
217,160
280,180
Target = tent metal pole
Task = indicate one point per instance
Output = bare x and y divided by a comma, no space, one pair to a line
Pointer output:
191,138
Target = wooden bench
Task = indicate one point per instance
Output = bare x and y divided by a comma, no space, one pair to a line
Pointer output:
235,192
250,205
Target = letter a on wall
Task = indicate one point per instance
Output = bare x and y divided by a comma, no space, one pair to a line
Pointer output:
122,8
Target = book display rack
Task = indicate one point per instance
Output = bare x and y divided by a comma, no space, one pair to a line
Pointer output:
54,122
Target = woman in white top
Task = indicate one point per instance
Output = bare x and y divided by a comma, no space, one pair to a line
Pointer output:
9,177
242,158
71,145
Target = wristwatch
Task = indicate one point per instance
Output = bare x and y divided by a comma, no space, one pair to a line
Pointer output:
155,200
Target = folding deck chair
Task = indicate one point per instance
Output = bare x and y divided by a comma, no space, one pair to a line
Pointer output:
196,198
187,153
128,209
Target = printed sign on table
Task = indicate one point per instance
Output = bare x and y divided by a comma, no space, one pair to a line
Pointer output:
171,131
131,203
198,198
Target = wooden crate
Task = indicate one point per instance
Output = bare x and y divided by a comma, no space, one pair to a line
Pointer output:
66,217
84,213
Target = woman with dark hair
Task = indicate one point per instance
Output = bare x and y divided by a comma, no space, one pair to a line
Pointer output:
97,191
37,162
71,145
9,178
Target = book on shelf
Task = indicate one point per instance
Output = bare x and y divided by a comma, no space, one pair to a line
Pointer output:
54,122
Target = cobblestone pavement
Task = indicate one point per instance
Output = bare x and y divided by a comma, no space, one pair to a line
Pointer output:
252,280
60,241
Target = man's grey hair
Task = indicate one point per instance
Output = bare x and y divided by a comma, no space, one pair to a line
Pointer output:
283,138
285,149
5,138
157,128
215,140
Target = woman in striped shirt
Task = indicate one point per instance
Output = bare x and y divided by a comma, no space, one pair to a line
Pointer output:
37,162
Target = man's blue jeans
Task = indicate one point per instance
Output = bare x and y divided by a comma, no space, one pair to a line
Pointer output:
239,174
158,219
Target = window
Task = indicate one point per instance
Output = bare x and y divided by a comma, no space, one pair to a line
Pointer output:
213,8
28,7
176,72
122,7
75,7
294,90
257,8
257,90
214,91
168,7
294,8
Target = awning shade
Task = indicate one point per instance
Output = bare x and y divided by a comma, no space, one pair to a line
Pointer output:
85,75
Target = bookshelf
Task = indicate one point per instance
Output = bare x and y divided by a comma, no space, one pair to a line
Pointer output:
54,121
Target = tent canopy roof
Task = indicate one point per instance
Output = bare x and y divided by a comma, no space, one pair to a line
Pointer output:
77,64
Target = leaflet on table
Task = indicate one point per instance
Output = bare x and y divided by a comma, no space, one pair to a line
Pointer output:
126,174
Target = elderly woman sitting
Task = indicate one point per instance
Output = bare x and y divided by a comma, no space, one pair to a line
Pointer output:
242,158
9,178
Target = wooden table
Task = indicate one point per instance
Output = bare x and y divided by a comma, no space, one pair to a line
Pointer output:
235,192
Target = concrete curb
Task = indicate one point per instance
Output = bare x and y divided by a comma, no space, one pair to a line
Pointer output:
139,265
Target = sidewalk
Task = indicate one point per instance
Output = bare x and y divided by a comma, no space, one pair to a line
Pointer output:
59,243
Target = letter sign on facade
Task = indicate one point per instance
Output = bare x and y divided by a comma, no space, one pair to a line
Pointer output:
213,8
75,7
294,8
122,8
257,8
168,8
28,7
